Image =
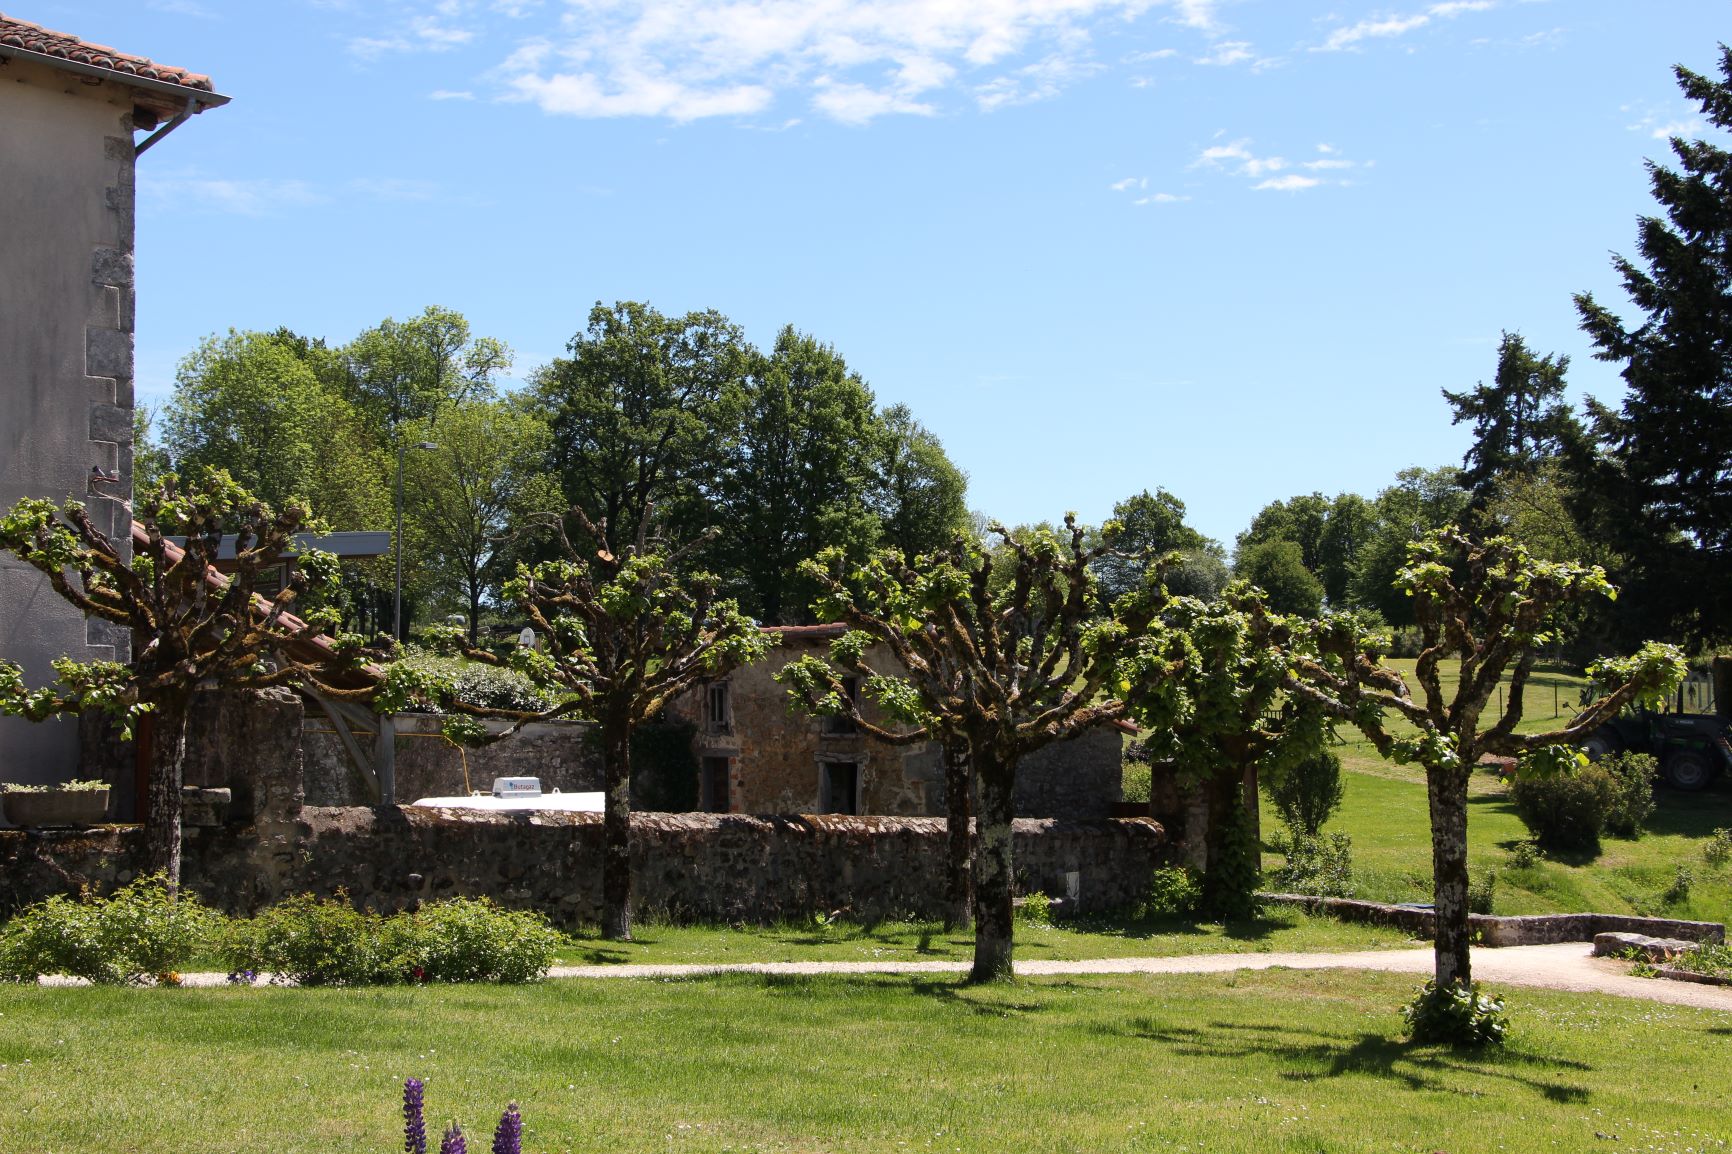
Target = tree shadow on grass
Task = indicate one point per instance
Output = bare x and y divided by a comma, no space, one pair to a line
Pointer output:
1317,1055
983,999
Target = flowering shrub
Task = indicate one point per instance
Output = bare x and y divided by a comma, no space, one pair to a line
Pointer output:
312,942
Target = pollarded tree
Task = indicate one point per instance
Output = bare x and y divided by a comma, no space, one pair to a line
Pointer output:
1218,711
1488,607
189,626
626,632
1002,663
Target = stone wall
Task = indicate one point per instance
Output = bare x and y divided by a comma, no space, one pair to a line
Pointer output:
1491,930
698,866
427,765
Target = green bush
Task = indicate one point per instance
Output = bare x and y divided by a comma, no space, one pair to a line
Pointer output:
1565,811
1307,793
136,935
1482,892
314,942
1174,892
471,940
1455,1016
1317,865
1633,793
1035,909
1136,781
1718,851
327,942
1678,892
491,687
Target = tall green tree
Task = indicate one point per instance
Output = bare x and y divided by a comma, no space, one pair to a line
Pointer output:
1654,483
1003,664
1277,567
1150,527
793,477
640,411
1329,532
1520,421
465,494
249,404
1420,502
919,494
1485,607
412,370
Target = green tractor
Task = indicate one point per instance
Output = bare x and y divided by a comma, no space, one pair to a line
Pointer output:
1691,747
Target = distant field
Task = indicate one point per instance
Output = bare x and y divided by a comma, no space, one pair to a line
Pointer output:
1385,814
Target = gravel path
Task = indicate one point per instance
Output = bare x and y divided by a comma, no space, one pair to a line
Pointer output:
1568,966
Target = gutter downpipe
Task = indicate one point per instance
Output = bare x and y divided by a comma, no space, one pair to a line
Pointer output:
185,114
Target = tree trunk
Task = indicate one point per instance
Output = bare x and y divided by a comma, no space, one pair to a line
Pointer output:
958,873
616,836
162,813
994,871
1230,877
475,613
1446,791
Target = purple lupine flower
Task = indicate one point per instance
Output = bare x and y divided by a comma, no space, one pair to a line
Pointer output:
453,1142
508,1139
414,1124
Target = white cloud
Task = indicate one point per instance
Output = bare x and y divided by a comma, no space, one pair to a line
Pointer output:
1160,198
1388,26
1238,159
1229,52
448,94
1145,57
853,60
1684,128
261,197
1292,182
1128,183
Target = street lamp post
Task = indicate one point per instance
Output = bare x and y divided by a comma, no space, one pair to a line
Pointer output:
397,541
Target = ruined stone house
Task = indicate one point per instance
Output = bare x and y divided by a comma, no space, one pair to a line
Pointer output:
756,756
70,117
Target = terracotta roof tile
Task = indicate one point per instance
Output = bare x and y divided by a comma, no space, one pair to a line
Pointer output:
30,37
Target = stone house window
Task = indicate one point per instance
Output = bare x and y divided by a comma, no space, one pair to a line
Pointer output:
839,787
718,716
838,726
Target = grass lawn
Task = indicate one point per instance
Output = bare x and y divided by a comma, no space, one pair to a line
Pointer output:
1279,930
1271,1061
1385,813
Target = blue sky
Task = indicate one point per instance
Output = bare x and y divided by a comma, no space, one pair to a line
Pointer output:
1229,248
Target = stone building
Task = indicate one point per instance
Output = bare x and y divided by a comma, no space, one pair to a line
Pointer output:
756,756
69,112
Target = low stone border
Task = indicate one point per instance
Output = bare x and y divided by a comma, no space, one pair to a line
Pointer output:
1490,930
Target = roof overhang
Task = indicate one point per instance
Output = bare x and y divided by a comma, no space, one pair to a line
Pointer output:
162,98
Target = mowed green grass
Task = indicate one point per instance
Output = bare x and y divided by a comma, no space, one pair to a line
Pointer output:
1277,930
1384,811
1282,1061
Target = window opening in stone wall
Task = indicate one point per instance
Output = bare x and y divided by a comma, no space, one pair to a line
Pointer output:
838,725
839,787
713,785
718,718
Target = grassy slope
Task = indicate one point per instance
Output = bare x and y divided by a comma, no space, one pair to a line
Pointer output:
1385,813
1276,1061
